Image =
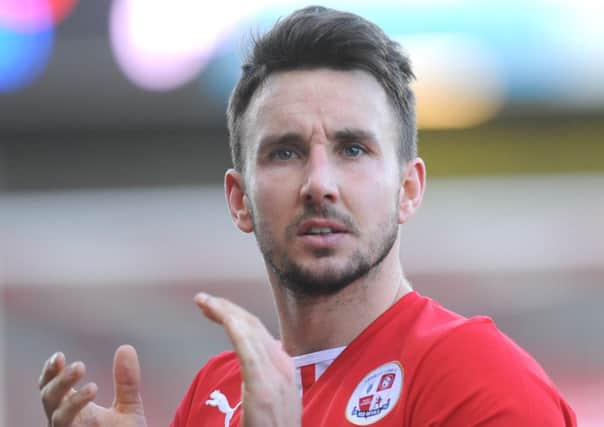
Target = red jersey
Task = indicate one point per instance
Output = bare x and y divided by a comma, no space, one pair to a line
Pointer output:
417,365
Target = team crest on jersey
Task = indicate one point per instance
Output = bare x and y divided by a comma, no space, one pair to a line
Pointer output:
376,395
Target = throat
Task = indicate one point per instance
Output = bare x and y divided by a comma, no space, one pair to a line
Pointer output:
312,324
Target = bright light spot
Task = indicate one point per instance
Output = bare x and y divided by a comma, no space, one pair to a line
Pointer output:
162,45
459,82
580,52
33,15
23,57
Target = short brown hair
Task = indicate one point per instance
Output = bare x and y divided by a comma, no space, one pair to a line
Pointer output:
316,37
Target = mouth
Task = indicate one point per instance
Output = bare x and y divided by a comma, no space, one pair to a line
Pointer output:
320,231
321,227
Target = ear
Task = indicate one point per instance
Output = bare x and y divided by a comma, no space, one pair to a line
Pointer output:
237,201
413,184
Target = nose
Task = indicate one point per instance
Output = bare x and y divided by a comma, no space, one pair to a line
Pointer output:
320,183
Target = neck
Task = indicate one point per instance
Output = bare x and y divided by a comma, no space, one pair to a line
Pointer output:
311,324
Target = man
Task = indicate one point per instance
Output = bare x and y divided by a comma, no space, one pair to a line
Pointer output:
323,140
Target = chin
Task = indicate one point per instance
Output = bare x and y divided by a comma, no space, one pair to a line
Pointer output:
322,277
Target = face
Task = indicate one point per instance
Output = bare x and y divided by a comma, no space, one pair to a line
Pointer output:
322,184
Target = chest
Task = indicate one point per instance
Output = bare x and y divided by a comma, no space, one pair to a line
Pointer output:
356,394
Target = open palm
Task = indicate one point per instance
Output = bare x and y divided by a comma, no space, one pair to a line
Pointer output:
65,406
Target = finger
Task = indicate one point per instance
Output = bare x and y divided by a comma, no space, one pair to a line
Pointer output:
269,388
237,321
208,305
51,368
253,343
223,311
60,386
72,405
127,381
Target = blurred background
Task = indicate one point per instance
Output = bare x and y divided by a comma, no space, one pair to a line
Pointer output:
113,148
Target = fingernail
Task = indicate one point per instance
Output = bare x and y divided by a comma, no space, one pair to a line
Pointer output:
72,368
202,297
89,389
53,360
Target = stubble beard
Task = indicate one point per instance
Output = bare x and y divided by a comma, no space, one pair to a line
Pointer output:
305,282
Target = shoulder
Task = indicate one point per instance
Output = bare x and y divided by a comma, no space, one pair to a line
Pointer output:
474,341
440,336
220,372
216,369
224,360
472,372
475,350
423,325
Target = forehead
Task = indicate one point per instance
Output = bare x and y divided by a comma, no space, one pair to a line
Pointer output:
305,101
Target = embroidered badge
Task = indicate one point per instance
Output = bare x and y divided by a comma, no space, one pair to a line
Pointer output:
376,395
219,400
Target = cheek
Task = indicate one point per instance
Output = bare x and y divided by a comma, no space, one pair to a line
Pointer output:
374,192
378,204
274,199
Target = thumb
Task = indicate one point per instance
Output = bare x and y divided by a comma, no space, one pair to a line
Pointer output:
127,380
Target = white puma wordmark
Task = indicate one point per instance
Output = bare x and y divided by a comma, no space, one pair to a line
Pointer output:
219,400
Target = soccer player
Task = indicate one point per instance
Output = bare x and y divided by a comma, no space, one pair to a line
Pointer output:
323,141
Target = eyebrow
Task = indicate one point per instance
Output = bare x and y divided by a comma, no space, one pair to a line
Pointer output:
286,138
346,135
353,135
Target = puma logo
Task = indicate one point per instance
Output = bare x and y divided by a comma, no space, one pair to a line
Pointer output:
219,400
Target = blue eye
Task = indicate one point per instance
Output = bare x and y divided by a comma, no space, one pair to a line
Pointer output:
353,150
283,154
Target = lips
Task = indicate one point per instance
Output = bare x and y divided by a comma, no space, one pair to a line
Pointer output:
320,227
